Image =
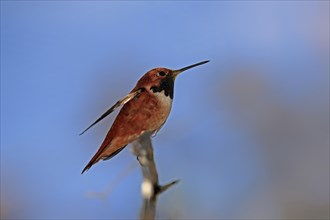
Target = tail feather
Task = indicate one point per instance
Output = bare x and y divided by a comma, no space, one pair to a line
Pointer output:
93,161
98,156
89,165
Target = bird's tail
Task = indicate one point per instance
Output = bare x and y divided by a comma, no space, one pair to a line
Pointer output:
94,160
98,156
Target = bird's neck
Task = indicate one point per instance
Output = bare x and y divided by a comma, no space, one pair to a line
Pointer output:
166,85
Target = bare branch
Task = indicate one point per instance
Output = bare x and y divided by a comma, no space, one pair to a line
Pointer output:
150,187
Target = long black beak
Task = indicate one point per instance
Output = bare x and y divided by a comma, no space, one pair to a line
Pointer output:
177,72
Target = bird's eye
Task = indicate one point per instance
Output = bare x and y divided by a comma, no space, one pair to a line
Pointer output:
161,73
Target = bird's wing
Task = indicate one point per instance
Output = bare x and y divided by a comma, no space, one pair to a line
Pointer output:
121,102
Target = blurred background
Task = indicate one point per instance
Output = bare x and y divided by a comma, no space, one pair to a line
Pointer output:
248,135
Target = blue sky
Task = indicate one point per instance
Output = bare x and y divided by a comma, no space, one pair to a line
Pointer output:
64,63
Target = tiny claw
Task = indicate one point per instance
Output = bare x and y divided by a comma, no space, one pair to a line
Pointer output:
154,134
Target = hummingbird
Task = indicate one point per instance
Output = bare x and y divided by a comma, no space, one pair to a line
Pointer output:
145,109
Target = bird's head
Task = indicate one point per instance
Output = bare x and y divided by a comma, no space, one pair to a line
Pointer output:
162,79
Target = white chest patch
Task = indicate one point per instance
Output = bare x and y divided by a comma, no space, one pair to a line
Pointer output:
166,101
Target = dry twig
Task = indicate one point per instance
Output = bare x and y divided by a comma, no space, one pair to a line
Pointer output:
150,186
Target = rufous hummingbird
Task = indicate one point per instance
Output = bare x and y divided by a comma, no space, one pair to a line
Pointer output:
145,109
